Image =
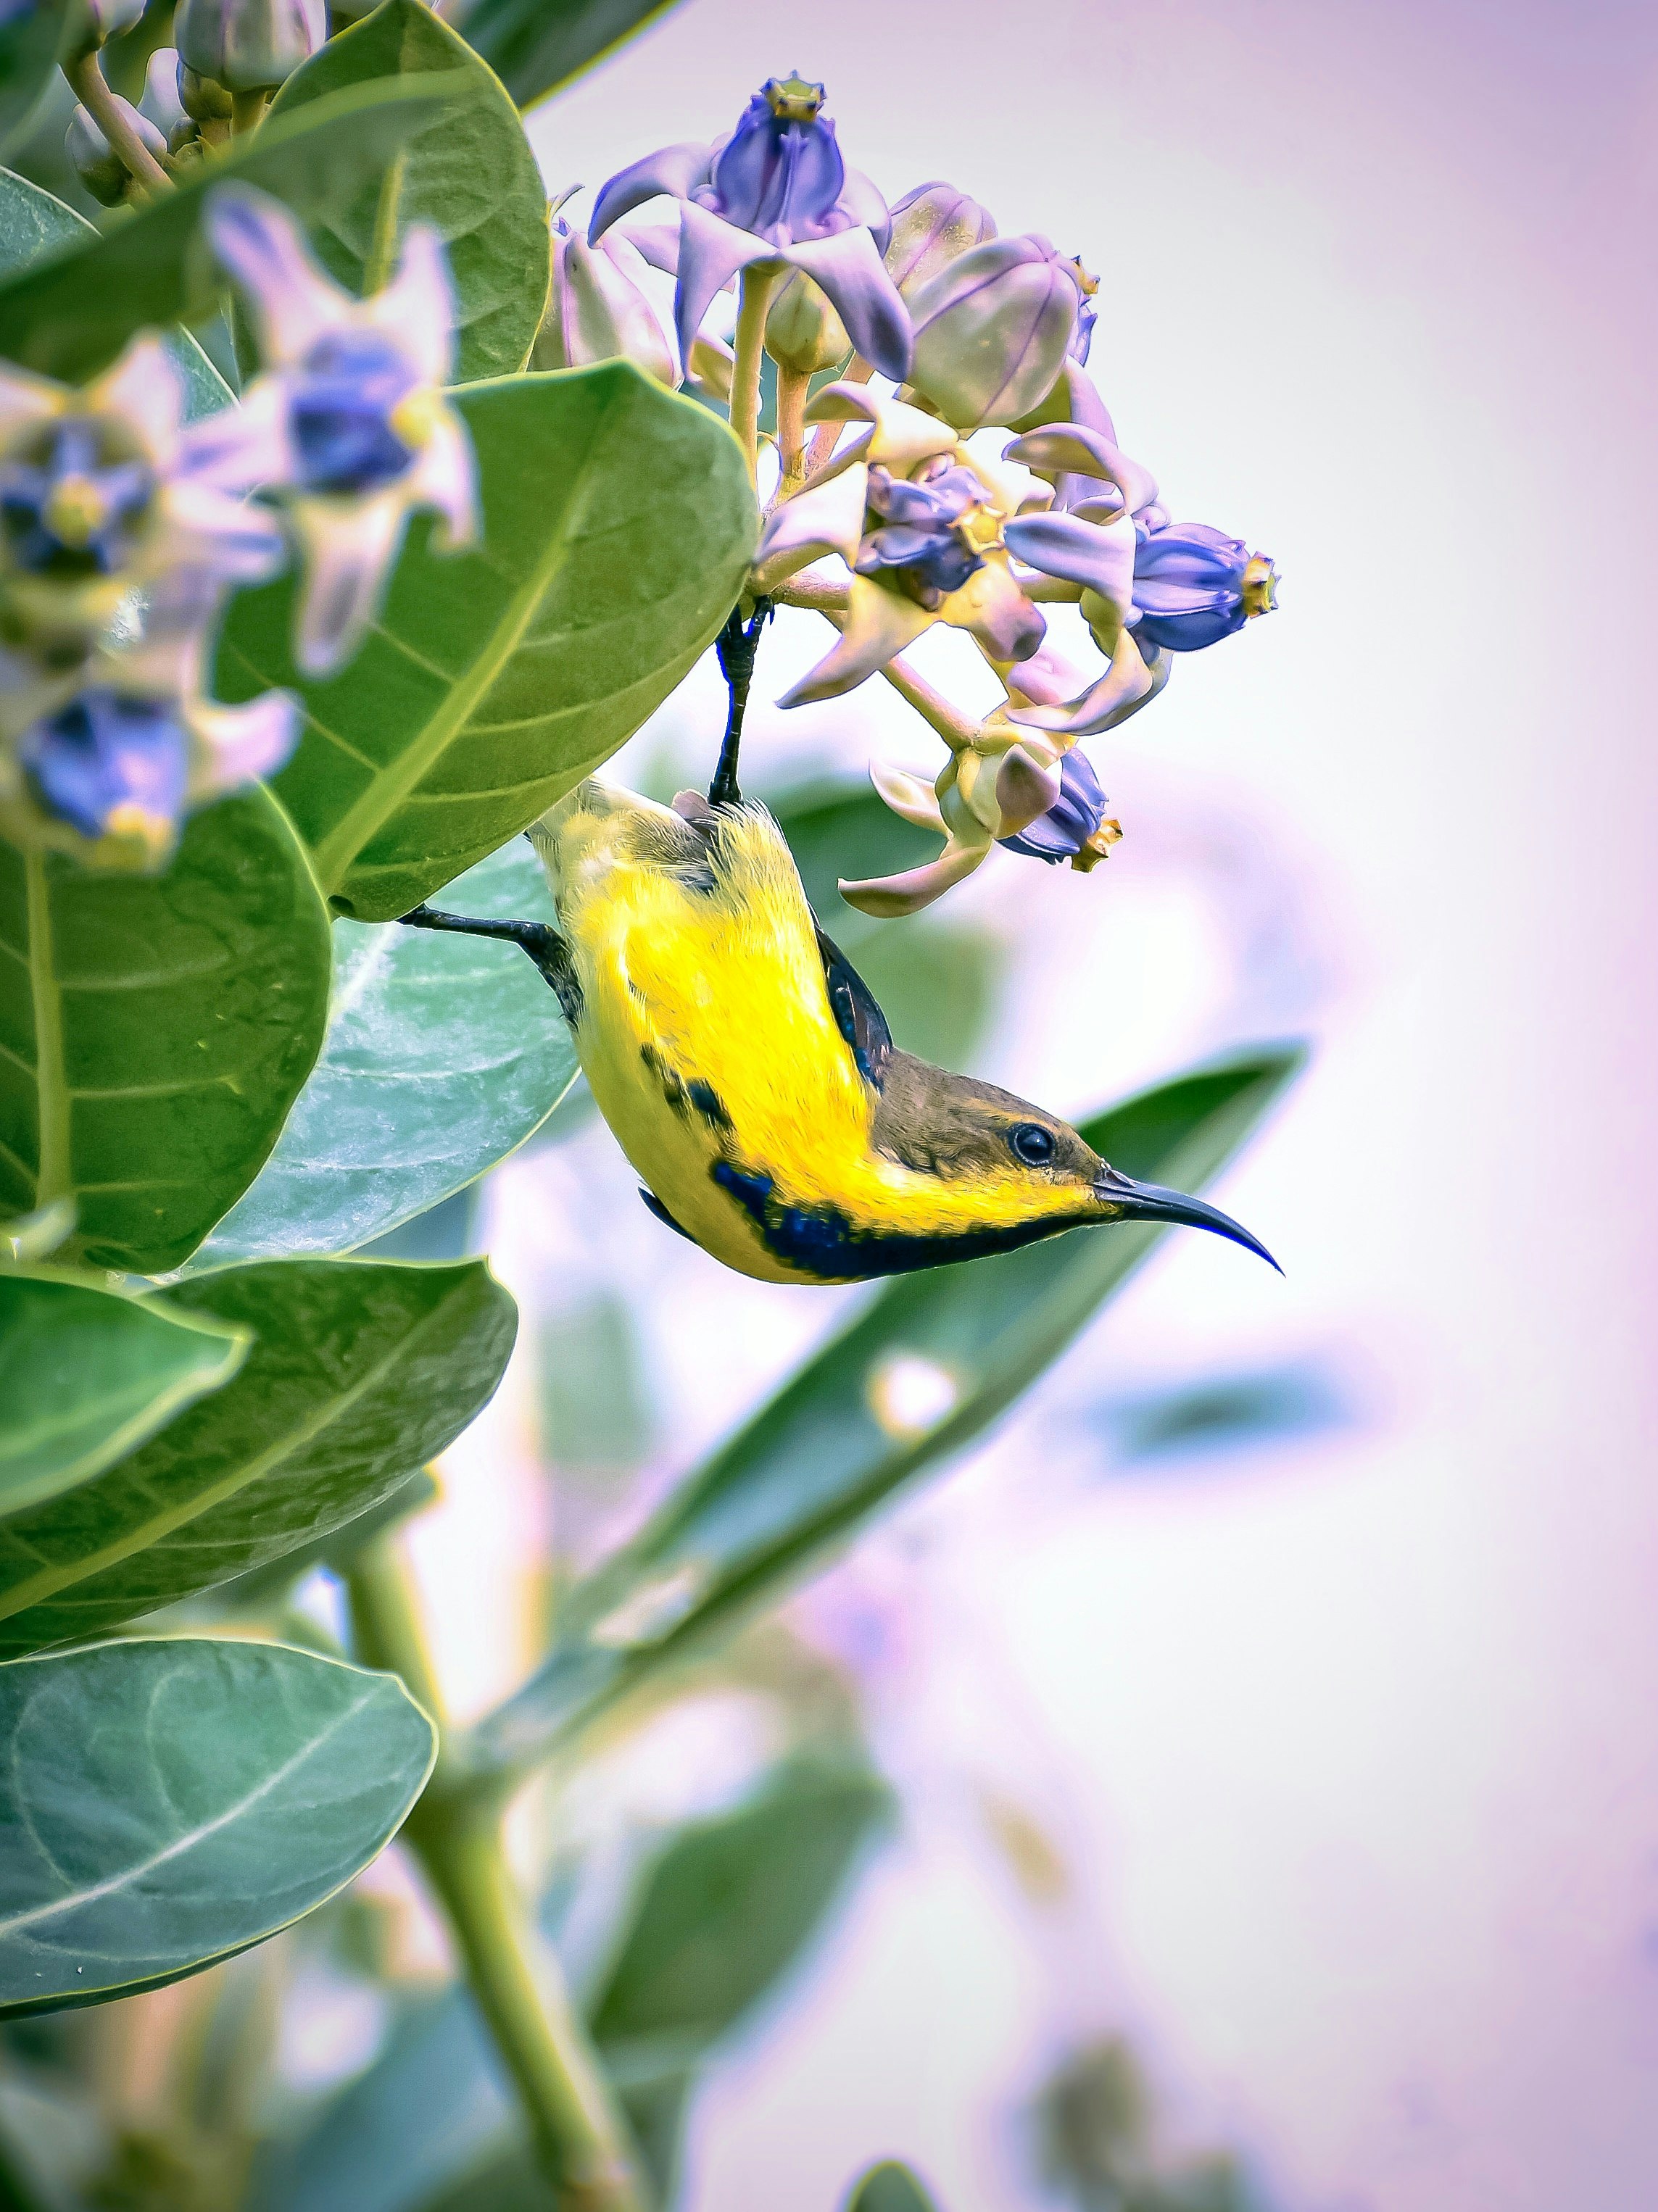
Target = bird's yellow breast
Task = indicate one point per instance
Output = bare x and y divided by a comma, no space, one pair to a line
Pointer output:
705,1032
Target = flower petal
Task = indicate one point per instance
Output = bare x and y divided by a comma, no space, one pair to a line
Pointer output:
237,449
992,606
416,308
1124,687
1074,449
904,435
878,624
849,268
1024,789
233,746
658,243
1097,555
291,300
909,796
145,387
916,887
827,518
675,170
446,477
711,252
350,547
25,398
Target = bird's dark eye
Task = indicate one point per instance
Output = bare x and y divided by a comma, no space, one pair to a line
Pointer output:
1033,1144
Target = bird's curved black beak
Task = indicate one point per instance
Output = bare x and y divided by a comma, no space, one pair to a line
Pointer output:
1149,1201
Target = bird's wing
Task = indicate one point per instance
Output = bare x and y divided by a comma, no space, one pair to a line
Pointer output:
859,1019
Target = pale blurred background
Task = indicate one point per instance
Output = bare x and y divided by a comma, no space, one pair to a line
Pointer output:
1275,1689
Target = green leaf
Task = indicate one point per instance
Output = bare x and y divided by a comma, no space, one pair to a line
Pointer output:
889,2187
619,521
536,46
71,316
468,171
34,224
87,1374
155,1030
818,1460
28,54
727,1908
358,1375
163,1805
444,1055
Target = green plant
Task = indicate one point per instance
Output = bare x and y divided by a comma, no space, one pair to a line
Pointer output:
233,750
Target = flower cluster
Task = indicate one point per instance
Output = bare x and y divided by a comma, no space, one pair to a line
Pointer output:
123,529
939,333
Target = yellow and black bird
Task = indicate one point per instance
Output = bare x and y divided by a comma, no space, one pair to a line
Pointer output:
751,1079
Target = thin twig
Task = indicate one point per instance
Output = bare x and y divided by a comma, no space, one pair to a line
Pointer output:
824,443
754,300
793,384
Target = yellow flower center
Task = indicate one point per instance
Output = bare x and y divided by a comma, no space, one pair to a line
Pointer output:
1260,584
792,99
76,511
416,415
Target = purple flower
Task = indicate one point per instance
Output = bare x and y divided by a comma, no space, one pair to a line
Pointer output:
776,193
77,506
1194,585
993,329
1074,827
918,538
106,764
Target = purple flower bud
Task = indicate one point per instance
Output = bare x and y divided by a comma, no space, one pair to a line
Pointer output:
779,175
597,311
933,226
251,45
1076,827
992,329
107,762
1194,585
163,104
91,22
75,504
100,168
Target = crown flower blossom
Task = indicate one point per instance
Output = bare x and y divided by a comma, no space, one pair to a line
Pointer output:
993,329
349,422
919,521
932,226
774,194
1194,585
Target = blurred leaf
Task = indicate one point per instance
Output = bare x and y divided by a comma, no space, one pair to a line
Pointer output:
71,316
536,46
442,1054
87,1374
1227,1412
889,2187
840,828
617,522
29,31
358,1376
596,1412
34,224
164,1804
818,1460
726,1909
158,1029
467,171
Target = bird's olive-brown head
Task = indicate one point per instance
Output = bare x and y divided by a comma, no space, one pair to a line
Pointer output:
1018,1168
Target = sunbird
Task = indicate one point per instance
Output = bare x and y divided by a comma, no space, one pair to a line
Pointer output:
751,1079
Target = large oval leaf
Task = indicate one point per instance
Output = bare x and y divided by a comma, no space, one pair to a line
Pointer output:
444,1055
87,1374
358,1375
539,45
619,520
155,1030
28,54
837,1438
165,1804
34,223
71,316
468,171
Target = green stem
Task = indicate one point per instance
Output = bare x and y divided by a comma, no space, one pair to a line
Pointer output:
247,112
755,298
382,250
793,385
101,104
53,1178
581,2140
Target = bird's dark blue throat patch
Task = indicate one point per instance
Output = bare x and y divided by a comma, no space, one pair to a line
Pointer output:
823,1242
